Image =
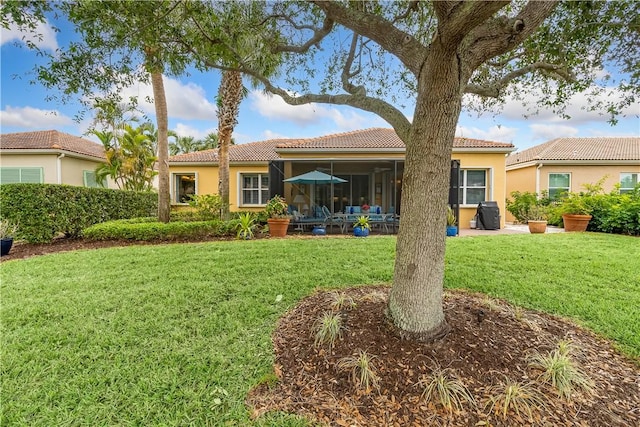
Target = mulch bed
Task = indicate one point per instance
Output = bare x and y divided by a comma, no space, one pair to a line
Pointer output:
487,344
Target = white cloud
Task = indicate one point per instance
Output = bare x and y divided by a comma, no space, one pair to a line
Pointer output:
548,132
494,133
185,130
269,134
577,107
32,118
274,107
184,101
44,37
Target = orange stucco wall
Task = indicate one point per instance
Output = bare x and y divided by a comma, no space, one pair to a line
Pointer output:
523,179
496,181
494,163
207,181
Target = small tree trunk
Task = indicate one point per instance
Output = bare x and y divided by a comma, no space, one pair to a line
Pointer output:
415,302
160,103
229,97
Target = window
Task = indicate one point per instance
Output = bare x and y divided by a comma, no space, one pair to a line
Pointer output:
628,181
473,186
21,175
184,187
559,183
255,189
91,181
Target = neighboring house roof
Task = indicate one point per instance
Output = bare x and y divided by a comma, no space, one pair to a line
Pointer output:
51,140
579,149
373,139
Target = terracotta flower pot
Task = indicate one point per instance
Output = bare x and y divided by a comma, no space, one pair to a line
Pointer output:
537,226
575,222
278,226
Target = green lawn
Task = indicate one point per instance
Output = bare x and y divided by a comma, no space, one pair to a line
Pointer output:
177,334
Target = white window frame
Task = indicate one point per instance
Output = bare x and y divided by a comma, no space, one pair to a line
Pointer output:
625,189
22,169
549,181
174,186
241,189
488,181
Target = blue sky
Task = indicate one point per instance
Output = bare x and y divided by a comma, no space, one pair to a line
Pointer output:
192,111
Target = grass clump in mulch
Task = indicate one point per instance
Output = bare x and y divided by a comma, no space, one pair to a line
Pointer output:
484,372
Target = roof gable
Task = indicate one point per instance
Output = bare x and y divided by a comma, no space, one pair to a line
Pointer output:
51,140
580,149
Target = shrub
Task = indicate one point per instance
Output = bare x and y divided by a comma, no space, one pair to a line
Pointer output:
516,397
45,210
208,206
442,387
528,206
362,369
153,230
328,329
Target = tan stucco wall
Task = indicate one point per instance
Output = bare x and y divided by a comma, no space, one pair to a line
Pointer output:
73,170
45,161
585,174
524,179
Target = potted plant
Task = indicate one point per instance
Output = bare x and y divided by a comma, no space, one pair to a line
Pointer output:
536,219
245,225
278,216
361,227
365,208
452,228
7,233
576,213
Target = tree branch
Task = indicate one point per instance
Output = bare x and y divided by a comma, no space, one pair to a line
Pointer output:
499,36
385,110
463,17
412,7
346,70
318,35
493,90
402,45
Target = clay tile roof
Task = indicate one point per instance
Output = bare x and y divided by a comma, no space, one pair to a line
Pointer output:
377,138
623,148
51,140
261,151
369,139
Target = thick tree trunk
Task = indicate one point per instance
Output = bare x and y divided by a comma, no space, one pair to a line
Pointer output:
160,103
229,95
415,302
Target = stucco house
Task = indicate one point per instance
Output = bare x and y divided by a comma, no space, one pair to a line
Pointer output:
371,161
50,157
566,164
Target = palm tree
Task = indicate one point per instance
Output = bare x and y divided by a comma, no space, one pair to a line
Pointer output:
230,94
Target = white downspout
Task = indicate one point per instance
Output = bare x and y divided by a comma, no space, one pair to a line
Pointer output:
59,166
538,178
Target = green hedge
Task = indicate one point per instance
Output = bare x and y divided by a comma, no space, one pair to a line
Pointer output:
615,213
152,230
43,211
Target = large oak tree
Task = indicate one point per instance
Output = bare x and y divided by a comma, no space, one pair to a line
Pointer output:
436,56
